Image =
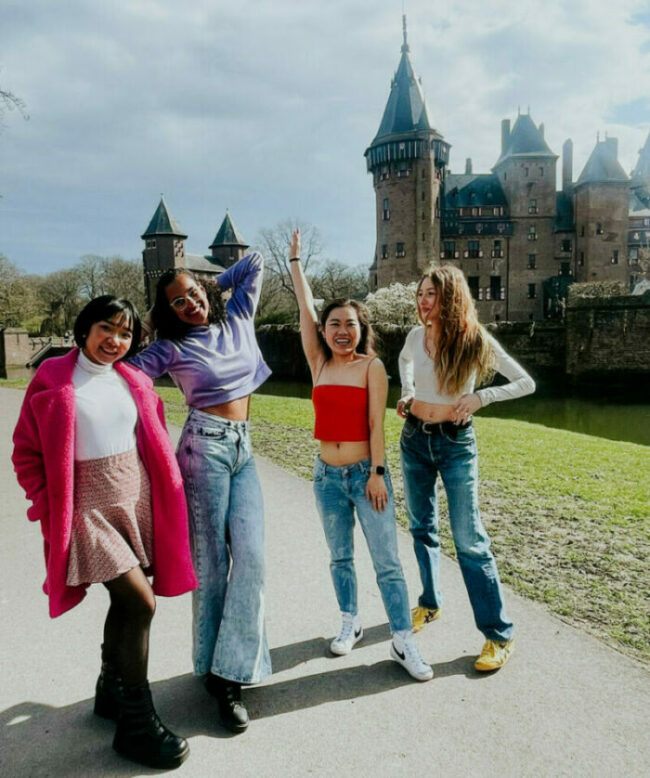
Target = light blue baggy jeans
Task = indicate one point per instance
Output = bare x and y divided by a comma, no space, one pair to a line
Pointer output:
455,458
227,540
339,491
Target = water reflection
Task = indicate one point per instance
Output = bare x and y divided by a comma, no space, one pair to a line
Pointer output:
615,419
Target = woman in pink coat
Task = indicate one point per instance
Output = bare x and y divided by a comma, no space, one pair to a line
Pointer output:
93,455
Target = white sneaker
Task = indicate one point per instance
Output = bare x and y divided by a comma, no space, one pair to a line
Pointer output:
351,633
404,651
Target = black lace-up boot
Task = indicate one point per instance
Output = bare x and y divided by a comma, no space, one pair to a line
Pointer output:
108,690
142,737
234,715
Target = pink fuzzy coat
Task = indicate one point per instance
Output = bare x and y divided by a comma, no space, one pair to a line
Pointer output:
44,447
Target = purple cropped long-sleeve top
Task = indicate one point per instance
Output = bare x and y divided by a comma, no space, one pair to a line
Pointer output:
217,363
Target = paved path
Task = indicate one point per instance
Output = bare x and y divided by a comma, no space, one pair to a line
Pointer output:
564,706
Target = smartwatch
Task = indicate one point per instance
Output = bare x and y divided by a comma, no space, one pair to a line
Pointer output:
378,469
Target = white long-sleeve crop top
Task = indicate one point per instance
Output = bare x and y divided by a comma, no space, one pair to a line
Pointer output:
419,379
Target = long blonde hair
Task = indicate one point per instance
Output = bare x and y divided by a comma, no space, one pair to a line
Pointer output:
463,347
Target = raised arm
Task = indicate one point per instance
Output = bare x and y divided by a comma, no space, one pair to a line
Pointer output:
311,344
245,279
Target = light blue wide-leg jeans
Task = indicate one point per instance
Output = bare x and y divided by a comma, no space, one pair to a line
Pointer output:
339,491
424,456
227,539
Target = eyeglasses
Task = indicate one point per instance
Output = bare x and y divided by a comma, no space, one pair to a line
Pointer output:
180,303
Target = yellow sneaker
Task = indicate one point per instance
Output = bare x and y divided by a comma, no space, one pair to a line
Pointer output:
421,616
494,655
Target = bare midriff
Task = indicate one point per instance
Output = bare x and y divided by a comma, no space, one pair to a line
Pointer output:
235,410
432,411
345,452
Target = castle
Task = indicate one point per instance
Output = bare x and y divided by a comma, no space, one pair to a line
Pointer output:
519,242
164,248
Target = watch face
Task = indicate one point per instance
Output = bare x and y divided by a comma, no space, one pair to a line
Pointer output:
380,470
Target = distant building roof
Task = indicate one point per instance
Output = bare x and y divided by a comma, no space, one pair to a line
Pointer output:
405,111
639,203
200,263
525,140
228,235
163,223
564,215
641,172
603,166
468,190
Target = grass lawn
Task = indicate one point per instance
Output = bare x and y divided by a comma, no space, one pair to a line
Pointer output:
568,514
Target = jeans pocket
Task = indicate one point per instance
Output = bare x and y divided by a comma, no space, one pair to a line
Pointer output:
464,436
210,432
408,431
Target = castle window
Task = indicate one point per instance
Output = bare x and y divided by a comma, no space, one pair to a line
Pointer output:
449,250
532,261
472,249
423,237
497,292
399,250
582,231
386,209
526,172
599,228
634,254
497,251
615,257
541,171
565,269
402,170
385,173
474,211
424,195
424,215
472,282
532,292
151,243
532,232
581,261
384,251
532,205
566,245
646,222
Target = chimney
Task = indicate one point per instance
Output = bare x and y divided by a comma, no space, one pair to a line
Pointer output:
541,130
468,166
567,165
505,134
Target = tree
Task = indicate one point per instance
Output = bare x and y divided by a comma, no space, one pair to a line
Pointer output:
62,301
394,304
91,270
334,279
125,278
17,298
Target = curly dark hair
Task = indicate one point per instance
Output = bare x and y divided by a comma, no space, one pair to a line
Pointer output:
366,341
166,322
103,308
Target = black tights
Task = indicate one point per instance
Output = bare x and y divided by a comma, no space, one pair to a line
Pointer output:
126,629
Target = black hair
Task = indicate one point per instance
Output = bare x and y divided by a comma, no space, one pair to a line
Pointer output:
166,321
366,341
103,309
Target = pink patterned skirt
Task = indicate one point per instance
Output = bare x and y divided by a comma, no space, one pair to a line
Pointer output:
112,525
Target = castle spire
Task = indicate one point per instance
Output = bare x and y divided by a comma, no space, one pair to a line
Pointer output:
405,44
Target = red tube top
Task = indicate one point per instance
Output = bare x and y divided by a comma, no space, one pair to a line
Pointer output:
341,412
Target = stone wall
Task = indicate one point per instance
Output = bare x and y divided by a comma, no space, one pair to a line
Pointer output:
608,337
15,347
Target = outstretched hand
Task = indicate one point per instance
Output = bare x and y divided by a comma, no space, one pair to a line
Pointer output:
294,244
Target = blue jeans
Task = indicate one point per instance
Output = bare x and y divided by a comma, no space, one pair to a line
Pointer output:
339,491
227,539
423,457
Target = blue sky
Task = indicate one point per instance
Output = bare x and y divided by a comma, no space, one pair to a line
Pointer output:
266,107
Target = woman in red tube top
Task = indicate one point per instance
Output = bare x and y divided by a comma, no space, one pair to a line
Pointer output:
350,476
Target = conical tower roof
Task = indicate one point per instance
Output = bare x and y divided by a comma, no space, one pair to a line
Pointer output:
603,166
525,140
163,223
641,173
405,111
227,235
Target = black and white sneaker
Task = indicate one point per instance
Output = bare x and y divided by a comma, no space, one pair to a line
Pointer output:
351,633
404,651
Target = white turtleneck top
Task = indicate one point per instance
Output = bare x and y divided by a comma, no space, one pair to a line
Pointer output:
105,411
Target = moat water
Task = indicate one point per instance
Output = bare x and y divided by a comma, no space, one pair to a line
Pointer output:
615,418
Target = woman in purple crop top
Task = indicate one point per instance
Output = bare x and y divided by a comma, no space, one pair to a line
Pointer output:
210,351
350,473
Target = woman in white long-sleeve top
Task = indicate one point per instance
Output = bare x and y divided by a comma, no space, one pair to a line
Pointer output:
441,363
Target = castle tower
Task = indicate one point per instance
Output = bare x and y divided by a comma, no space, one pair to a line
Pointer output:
407,160
526,170
602,215
638,241
228,246
163,248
